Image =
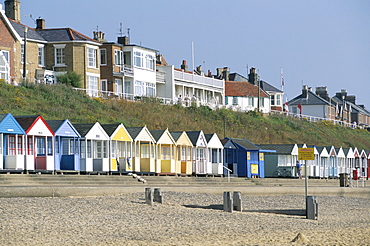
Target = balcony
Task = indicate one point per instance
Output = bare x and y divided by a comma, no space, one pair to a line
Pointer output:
127,70
199,80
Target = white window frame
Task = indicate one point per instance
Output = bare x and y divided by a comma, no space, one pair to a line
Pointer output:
41,55
92,85
92,52
118,57
138,59
4,65
59,54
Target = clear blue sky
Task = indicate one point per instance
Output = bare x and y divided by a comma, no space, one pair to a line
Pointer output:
316,42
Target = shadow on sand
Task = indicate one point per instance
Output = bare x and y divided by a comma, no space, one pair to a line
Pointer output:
297,212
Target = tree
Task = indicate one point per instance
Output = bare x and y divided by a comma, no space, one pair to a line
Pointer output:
71,78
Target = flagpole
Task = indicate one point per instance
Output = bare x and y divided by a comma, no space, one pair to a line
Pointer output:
282,78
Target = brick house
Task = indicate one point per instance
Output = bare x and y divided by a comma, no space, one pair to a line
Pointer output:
48,52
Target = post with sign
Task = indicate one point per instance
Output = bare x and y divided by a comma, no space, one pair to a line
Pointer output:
305,154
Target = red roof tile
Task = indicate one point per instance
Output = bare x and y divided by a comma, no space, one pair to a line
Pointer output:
242,89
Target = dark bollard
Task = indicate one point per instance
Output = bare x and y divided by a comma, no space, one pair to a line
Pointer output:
311,208
237,201
158,195
228,202
148,196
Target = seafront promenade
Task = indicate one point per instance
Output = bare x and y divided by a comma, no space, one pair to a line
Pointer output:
34,185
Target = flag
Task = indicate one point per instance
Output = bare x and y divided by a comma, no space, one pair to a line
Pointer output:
300,108
282,77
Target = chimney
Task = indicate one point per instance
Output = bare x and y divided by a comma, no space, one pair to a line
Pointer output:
13,9
40,23
322,92
253,76
184,66
225,74
305,91
124,40
351,99
209,73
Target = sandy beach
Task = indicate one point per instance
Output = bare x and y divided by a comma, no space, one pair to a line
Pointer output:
183,219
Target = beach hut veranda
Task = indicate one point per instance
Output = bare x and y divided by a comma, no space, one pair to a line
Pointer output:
11,143
94,147
39,143
143,159
120,147
165,152
183,159
67,145
215,153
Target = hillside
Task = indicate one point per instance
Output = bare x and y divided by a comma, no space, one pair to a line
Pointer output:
63,102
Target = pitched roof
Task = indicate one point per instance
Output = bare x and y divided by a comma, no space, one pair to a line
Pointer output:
284,149
134,131
193,136
26,121
54,124
157,134
110,128
245,143
176,135
312,99
242,89
269,88
83,129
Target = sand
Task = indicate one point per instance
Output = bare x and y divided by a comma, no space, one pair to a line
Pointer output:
183,219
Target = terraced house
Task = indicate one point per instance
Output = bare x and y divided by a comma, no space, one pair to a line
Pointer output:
38,55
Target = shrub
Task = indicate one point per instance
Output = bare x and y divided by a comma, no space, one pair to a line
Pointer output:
71,78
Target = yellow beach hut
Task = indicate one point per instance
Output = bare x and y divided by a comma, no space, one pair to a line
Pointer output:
120,147
143,150
165,151
183,160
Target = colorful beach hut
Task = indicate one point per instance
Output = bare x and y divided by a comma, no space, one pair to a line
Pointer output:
143,159
341,160
333,162
230,157
94,147
120,147
11,143
67,145
199,155
39,143
183,158
350,160
215,154
165,152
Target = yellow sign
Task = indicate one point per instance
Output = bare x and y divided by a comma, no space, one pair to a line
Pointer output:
306,154
248,155
254,168
261,156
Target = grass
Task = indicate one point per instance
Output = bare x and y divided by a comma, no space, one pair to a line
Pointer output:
63,102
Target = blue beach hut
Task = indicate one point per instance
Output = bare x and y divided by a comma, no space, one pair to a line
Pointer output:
11,143
67,145
230,157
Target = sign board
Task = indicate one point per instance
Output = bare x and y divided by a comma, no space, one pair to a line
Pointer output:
254,169
306,154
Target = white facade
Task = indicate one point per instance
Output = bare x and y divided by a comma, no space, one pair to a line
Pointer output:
191,87
248,103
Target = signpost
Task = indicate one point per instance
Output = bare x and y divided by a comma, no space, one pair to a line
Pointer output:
306,154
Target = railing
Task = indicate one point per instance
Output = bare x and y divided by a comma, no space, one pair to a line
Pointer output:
127,70
201,80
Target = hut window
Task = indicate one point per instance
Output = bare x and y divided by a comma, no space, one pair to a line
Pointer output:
20,144
11,145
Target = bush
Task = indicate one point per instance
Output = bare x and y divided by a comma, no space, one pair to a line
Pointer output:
71,78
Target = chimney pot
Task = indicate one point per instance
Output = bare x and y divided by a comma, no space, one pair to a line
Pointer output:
40,23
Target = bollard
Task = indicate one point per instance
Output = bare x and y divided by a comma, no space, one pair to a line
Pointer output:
148,196
158,195
237,201
311,208
228,202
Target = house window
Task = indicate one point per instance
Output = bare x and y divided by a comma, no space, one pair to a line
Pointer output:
262,102
235,100
272,99
118,85
139,88
59,54
22,53
4,65
91,55
251,101
92,85
138,59
278,100
41,55
149,62
103,57
150,89
104,85
118,57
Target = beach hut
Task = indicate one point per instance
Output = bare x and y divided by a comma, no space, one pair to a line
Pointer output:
94,147
230,157
333,162
199,155
282,161
313,166
324,161
143,149
251,162
363,163
11,143
215,154
341,160
120,147
67,145
350,160
39,143
165,152
368,164
183,163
